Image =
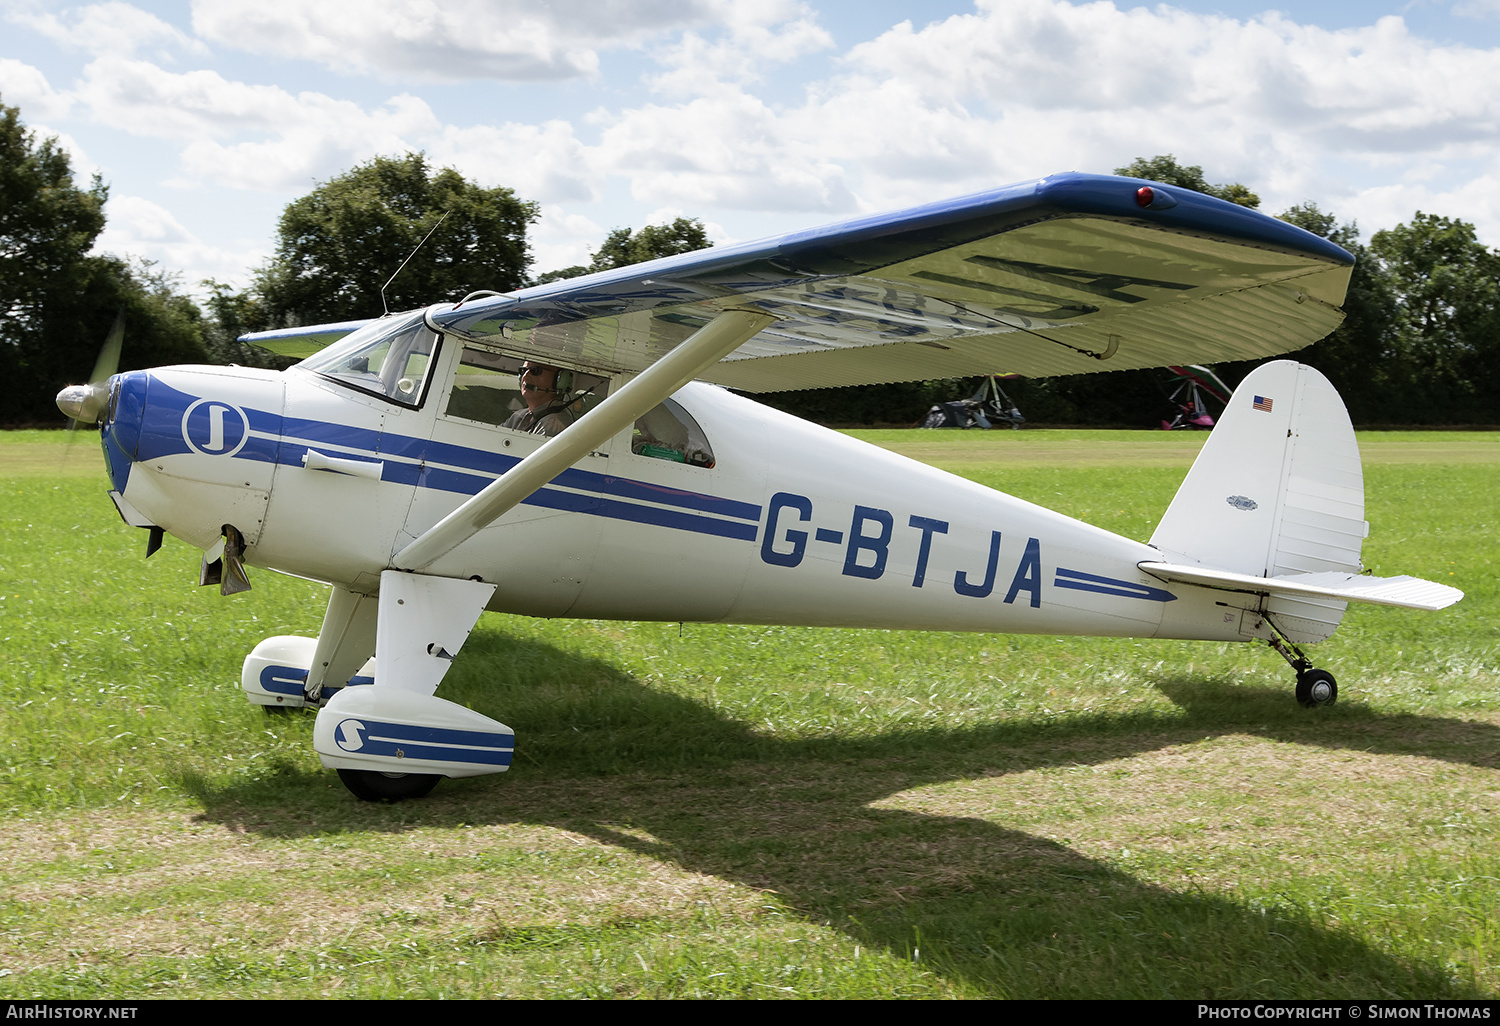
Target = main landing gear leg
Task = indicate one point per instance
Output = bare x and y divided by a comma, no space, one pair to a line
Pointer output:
394,739
1314,687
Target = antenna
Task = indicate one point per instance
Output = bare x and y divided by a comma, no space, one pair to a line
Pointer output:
385,308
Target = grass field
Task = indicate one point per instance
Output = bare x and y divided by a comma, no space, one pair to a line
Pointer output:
763,812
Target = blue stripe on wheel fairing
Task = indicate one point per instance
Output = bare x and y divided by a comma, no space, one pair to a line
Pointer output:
441,744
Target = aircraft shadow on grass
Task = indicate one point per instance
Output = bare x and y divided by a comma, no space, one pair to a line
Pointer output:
999,911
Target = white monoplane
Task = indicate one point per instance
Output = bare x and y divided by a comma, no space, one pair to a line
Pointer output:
398,462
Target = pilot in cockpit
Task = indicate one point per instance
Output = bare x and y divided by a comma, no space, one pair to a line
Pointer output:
545,390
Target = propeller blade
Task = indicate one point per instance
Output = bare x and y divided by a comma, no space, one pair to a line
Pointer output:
109,356
85,403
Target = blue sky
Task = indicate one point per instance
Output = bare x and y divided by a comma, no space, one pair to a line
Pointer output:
757,116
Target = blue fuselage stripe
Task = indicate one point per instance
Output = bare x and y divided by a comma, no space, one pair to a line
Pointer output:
1078,580
466,471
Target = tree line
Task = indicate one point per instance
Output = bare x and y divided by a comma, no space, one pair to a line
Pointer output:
1418,345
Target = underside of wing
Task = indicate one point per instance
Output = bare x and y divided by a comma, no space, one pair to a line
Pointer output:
301,342
1066,275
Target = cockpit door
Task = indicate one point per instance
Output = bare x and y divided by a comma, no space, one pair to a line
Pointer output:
540,553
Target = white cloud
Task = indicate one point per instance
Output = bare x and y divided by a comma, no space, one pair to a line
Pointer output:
1025,87
140,228
114,28
147,100
661,216
1021,88
294,138
1170,74
546,162
756,36
514,40
1475,200
322,138
1013,90
1477,9
26,87
730,150
562,239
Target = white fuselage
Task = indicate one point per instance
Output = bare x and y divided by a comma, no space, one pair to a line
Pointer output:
792,524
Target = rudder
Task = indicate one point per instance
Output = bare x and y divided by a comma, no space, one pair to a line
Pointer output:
1277,489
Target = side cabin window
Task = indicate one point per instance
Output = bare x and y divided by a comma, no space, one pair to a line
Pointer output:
524,395
668,432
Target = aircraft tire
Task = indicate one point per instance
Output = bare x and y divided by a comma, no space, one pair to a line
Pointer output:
1316,688
373,786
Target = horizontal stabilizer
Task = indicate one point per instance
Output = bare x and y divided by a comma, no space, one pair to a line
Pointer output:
1408,592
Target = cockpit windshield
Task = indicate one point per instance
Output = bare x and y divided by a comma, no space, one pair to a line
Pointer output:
390,358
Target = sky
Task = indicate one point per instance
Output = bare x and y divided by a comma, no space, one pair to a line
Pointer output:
205,118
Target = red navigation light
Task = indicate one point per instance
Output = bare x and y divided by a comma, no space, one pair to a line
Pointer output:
1154,199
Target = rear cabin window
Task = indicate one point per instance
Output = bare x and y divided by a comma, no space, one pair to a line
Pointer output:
668,432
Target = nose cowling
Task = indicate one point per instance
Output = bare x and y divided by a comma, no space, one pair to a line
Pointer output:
123,414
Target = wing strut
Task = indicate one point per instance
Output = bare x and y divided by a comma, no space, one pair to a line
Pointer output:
715,340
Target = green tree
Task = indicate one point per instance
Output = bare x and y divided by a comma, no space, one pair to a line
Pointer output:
1446,335
163,326
1358,357
1166,170
232,313
47,227
341,242
622,247
1311,218
57,299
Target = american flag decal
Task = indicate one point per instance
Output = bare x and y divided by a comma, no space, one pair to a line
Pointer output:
1263,403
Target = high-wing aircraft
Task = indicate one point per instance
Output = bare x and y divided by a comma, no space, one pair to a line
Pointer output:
396,463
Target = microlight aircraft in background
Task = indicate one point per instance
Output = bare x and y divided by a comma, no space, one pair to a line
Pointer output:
382,466
1186,404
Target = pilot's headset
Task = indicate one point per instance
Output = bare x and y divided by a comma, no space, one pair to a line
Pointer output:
564,385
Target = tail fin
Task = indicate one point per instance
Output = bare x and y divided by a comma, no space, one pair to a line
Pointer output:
1277,490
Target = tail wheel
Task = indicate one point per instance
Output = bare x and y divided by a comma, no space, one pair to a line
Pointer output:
1316,688
374,786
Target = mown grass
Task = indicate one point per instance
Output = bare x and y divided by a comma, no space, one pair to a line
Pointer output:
760,812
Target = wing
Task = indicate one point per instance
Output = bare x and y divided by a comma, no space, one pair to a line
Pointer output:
301,342
1066,275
